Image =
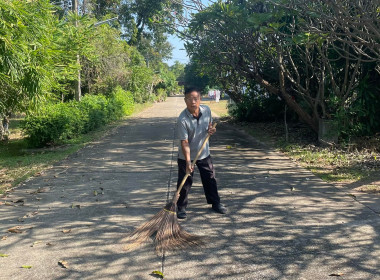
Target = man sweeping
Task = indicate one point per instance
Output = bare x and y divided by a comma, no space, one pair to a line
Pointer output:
194,124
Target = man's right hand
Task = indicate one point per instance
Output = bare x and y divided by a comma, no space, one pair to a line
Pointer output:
189,167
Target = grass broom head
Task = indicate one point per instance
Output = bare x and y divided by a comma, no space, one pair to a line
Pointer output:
168,234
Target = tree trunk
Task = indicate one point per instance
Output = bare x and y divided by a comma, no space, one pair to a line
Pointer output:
77,83
289,101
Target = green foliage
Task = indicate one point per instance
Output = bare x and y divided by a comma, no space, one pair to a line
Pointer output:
319,74
146,24
257,108
161,95
168,81
26,49
141,84
122,102
95,111
56,123
361,115
73,36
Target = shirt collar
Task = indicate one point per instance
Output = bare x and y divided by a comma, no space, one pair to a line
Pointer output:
200,112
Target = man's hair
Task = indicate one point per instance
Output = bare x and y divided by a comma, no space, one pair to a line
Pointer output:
191,89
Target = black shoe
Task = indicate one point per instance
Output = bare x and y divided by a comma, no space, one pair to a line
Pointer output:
181,214
220,208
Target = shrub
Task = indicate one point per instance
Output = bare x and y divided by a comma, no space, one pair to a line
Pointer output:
56,123
121,103
161,95
53,124
94,110
257,108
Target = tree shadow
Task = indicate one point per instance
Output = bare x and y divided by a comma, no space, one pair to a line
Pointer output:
284,223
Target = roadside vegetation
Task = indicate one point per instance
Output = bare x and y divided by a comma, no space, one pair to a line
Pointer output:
68,73
356,164
297,62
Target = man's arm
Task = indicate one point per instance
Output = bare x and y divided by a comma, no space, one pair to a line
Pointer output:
186,152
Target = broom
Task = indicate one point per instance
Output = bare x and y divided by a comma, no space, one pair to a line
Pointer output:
169,234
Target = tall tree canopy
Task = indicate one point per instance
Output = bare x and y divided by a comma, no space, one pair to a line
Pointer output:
286,50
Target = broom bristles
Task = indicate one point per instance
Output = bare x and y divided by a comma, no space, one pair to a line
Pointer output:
169,234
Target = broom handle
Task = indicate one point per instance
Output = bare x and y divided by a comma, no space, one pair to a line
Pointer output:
193,163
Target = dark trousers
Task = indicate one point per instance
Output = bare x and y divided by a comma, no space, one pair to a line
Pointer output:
206,170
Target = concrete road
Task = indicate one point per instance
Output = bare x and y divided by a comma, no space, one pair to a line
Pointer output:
284,223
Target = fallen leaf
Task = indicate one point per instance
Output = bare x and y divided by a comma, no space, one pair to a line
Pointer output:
9,203
35,243
158,274
4,237
3,255
26,266
31,214
15,229
229,147
336,274
66,230
63,263
40,190
95,193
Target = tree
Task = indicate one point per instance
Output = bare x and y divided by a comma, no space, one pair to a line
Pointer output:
146,24
26,48
244,41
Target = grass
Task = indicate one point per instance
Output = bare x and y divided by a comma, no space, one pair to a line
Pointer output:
219,108
338,165
18,162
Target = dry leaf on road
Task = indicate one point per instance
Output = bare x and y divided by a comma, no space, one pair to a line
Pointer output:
16,229
63,264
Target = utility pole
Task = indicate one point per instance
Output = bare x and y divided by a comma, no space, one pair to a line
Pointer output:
78,92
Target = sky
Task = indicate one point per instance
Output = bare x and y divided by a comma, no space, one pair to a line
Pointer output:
179,52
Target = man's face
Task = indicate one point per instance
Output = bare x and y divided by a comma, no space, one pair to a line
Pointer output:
193,100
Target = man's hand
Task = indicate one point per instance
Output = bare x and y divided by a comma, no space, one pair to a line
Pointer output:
189,168
211,130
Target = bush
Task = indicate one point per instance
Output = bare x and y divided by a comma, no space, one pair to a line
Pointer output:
121,103
94,110
161,95
56,123
257,108
53,124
